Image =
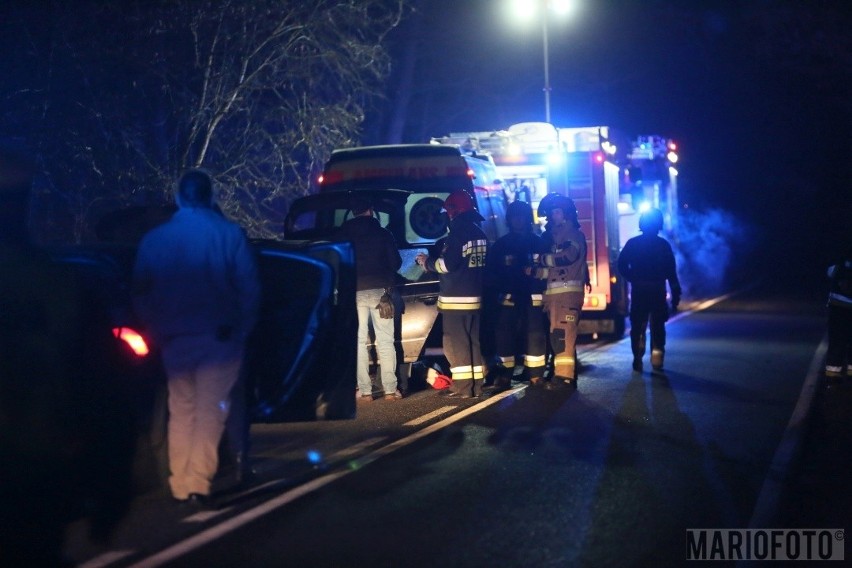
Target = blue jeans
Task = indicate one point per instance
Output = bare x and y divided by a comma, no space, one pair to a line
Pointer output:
366,302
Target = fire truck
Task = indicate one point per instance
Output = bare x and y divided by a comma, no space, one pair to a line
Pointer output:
649,179
534,159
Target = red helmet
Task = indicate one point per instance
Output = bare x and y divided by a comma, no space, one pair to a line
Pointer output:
458,202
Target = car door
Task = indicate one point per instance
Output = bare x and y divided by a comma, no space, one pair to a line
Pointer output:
299,363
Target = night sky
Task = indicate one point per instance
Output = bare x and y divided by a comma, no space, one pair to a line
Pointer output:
756,93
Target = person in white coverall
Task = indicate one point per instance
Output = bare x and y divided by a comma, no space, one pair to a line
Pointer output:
196,288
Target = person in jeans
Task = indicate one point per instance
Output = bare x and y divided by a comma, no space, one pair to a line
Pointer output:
376,261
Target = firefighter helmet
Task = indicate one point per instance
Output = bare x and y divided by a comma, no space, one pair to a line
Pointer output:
553,201
458,202
520,209
651,221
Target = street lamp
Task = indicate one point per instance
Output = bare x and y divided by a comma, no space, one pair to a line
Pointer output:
528,10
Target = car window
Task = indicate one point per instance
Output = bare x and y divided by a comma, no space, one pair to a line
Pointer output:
322,221
492,207
485,175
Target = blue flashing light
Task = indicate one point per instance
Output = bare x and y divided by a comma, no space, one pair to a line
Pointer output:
314,457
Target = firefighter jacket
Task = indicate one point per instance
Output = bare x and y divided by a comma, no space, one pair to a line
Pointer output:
461,264
564,266
376,255
507,260
647,261
840,277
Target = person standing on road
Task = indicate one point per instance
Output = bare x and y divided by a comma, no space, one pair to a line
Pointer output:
520,327
647,262
377,260
839,318
67,439
460,267
196,288
565,269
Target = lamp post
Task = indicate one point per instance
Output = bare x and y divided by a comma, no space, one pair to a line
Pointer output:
526,10
546,69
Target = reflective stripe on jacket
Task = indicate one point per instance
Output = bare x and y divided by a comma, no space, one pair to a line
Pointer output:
461,264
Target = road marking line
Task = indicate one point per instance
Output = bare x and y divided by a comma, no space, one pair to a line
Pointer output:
429,416
203,516
355,448
767,502
705,304
209,535
106,558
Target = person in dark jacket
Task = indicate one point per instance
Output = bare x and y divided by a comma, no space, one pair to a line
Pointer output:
377,260
460,267
647,262
520,327
839,318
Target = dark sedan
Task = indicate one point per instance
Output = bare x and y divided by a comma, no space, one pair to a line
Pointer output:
296,367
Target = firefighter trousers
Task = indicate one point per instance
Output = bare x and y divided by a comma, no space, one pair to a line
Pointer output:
521,332
648,308
563,310
462,350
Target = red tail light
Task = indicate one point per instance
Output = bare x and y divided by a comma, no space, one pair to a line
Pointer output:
135,341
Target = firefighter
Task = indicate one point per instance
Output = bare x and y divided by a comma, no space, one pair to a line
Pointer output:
839,318
460,266
647,262
520,328
566,272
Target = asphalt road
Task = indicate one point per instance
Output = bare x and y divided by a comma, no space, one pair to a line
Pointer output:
609,475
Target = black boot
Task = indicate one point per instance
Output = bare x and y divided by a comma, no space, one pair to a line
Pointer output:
637,344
